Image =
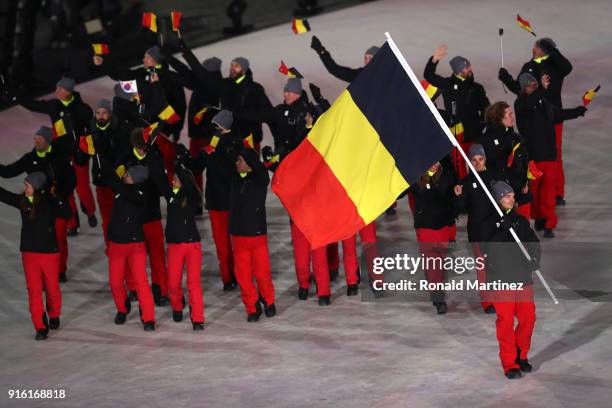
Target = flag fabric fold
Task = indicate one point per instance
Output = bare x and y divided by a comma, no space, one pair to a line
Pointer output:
149,20
378,137
169,115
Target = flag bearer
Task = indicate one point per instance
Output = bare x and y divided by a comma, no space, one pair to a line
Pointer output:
507,263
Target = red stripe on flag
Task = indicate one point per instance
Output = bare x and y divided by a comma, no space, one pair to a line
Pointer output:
322,210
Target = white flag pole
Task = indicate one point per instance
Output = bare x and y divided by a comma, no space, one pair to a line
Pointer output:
443,125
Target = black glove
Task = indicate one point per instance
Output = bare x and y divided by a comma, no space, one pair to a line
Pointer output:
533,264
267,153
316,45
504,75
315,91
581,110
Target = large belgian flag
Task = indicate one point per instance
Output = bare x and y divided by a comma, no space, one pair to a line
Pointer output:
379,136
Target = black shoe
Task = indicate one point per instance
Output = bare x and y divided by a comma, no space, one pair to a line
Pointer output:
198,326
490,310
549,233
252,317
303,293
41,334
177,315
229,287
72,232
513,373
128,306
560,201
390,211
539,225
258,309
352,290
132,296
120,318
441,307
523,364
62,277
333,275
156,291
54,323
324,300
92,221
270,310
149,326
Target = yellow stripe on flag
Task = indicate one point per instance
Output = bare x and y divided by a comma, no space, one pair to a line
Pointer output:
364,167
59,128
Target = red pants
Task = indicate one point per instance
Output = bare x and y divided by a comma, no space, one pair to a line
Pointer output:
524,210
560,174
219,222
195,145
302,254
349,258
190,255
481,276
83,189
41,273
508,306
368,245
61,235
543,191
433,244
411,202
134,257
154,239
252,260
73,221
105,198
168,153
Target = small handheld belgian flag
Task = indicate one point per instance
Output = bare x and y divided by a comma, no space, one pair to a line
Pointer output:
589,95
290,72
524,24
168,115
86,145
148,131
100,49
59,128
197,118
149,20
300,26
175,16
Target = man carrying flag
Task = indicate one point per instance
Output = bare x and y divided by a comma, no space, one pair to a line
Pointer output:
550,68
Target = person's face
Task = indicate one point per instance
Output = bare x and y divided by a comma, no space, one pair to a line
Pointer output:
290,97
235,70
529,89
467,72
242,166
537,52
507,201
478,162
367,58
508,119
435,167
61,93
176,182
102,116
127,179
28,189
148,61
40,143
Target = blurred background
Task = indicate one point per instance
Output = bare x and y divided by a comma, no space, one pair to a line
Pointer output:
41,40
